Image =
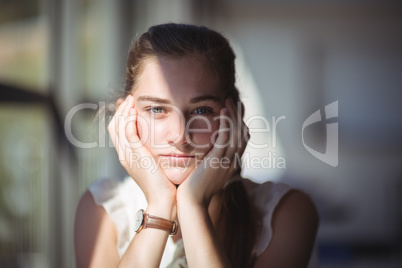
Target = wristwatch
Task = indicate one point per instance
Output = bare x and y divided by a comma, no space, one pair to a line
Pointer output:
144,220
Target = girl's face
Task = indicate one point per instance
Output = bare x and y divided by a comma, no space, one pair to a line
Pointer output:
178,103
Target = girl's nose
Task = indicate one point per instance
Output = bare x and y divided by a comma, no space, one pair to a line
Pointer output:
177,132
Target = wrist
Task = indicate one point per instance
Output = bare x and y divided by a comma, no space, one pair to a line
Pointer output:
165,208
189,211
191,199
144,220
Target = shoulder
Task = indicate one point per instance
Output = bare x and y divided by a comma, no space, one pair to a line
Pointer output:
117,198
95,235
266,194
272,197
89,212
295,206
294,226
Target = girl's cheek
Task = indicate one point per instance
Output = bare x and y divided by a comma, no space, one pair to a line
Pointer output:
144,128
151,131
143,133
202,139
204,132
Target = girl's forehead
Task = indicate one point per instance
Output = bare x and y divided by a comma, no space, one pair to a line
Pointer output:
185,77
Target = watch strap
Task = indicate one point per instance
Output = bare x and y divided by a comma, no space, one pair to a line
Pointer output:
144,220
155,222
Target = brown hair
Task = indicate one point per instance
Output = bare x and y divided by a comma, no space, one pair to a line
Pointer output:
179,40
236,224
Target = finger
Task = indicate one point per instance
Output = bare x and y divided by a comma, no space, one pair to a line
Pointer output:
129,105
237,156
246,135
112,130
131,128
112,122
117,127
132,138
121,107
240,134
113,125
122,118
234,140
222,141
240,149
243,137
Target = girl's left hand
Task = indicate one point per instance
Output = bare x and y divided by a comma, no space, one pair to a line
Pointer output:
218,166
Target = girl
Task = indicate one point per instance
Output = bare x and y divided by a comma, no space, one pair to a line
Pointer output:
179,133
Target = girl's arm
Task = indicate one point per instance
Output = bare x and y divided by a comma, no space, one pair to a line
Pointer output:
95,238
146,249
96,235
202,245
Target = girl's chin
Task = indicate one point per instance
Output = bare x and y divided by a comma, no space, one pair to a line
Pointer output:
177,175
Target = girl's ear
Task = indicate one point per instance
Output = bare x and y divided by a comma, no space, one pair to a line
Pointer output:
118,102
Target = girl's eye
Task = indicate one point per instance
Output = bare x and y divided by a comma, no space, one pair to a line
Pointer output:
202,110
156,110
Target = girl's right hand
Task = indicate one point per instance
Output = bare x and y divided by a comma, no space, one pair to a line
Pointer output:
158,190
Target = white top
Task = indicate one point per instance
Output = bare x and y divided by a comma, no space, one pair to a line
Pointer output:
122,198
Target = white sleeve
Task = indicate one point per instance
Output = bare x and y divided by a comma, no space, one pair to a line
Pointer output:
121,198
265,197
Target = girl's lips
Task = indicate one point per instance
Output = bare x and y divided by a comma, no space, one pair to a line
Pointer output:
178,155
177,160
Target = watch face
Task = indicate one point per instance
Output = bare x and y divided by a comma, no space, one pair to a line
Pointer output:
139,217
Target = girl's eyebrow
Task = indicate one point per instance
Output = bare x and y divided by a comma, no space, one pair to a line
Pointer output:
206,98
193,100
153,99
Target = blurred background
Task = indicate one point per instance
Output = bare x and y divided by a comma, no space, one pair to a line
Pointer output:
294,58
